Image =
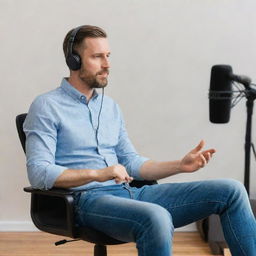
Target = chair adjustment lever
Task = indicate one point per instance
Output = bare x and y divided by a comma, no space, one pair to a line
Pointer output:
65,241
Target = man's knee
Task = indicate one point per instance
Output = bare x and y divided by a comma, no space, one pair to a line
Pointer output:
234,187
157,221
234,192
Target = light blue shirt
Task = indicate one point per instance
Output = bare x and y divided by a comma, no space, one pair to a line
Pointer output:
60,133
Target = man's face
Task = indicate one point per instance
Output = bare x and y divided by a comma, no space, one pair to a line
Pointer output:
95,63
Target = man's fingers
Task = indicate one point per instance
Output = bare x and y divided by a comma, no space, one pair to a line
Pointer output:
199,147
211,151
120,179
206,156
208,153
129,179
203,161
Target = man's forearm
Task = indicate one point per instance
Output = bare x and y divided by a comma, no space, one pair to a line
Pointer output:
153,170
74,178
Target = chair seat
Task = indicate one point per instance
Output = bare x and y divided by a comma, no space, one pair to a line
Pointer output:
94,236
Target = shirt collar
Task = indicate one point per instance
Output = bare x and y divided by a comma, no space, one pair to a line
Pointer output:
74,93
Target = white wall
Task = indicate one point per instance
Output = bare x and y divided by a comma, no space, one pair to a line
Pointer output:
162,52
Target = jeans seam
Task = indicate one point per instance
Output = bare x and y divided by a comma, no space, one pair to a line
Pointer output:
231,228
229,222
208,202
105,216
127,188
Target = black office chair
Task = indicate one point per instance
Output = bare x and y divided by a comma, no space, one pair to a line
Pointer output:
52,210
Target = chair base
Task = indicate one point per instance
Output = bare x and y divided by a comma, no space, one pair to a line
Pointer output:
100,250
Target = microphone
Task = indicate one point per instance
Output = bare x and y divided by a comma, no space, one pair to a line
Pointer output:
220,94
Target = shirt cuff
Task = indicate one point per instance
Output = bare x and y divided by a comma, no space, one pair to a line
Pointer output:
136,165
53,171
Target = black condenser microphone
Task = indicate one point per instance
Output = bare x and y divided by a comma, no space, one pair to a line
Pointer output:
220,94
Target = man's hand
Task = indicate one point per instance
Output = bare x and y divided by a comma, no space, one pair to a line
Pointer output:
196,158
116,172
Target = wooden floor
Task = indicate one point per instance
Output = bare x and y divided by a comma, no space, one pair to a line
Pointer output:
42,244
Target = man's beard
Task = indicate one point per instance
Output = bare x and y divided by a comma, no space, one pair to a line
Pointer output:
93,81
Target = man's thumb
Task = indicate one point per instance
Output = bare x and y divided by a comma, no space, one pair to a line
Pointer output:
199,146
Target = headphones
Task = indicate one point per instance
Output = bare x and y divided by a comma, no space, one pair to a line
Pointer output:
74,63
73,60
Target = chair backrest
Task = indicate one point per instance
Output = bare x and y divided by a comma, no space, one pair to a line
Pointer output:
48,211
19,124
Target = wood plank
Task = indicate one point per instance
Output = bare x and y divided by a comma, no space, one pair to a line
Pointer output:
227,252
42,244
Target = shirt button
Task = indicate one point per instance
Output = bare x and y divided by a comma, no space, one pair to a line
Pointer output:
82,98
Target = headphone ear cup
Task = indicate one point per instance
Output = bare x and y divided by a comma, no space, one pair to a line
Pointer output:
73,61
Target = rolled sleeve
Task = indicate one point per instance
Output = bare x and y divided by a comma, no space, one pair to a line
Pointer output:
44,176
135,167
53,171
40,127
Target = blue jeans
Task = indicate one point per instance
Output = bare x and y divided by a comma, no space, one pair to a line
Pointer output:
148,215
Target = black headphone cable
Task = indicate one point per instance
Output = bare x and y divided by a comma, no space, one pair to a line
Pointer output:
97,130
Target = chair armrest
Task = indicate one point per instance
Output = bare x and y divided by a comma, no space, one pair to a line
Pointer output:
54,191
141,183
53,211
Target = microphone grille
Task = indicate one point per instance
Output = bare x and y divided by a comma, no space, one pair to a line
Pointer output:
220,77
220,93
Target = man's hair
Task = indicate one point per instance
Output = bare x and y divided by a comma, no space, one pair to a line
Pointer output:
84,32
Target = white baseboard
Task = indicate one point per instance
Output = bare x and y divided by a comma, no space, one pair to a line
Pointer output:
18,226
23,226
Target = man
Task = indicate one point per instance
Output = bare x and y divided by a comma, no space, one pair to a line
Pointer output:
76,139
